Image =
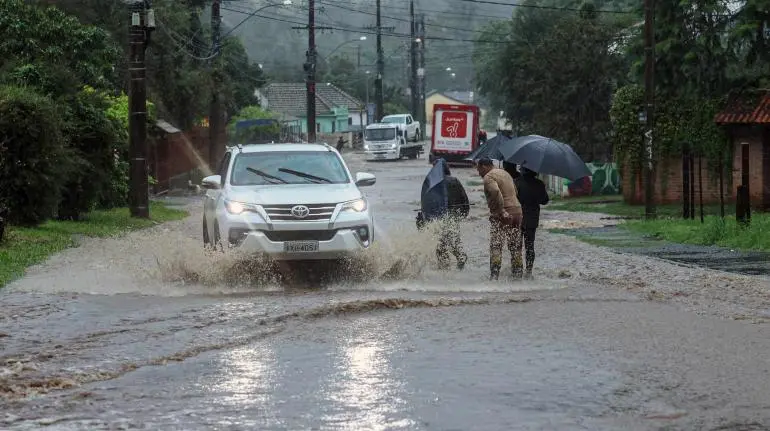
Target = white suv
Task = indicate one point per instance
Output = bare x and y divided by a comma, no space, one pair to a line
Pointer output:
288,201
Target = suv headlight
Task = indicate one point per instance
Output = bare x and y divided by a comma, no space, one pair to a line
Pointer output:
358,205
239,207
393,146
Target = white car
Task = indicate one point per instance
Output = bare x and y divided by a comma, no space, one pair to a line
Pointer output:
288,201
407,123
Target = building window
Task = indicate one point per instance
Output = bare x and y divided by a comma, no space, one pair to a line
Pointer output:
318,127
334,126
350,121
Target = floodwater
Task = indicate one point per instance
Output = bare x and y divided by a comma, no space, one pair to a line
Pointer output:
147,331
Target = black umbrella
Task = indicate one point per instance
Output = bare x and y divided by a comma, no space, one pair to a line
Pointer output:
490,148
545,156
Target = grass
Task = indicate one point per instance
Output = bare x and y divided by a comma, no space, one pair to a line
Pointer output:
24,247
614,205
714,231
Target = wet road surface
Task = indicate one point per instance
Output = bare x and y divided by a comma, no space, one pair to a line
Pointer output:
149,332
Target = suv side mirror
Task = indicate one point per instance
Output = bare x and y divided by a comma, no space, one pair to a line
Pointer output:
364,179
212,182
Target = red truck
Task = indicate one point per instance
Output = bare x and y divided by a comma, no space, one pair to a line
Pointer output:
455,132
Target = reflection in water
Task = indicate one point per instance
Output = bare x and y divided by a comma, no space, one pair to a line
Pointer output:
364,388
247,380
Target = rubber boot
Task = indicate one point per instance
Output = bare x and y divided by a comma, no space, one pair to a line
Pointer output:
494,272
461,261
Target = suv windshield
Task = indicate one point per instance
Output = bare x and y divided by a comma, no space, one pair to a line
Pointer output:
288,167
394,119
380,134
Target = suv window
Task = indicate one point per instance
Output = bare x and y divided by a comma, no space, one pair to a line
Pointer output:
288,167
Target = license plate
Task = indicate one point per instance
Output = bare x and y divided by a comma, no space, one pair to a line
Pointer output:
379,156
300,246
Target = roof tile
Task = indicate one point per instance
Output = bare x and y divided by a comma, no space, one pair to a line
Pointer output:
746,107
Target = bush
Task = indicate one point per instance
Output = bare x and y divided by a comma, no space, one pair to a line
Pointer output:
34,161
94,137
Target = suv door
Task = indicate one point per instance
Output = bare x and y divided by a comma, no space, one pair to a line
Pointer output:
212,195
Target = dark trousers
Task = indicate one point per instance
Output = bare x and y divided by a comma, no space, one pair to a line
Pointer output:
529,247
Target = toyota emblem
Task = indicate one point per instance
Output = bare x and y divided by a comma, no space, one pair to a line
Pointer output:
300,211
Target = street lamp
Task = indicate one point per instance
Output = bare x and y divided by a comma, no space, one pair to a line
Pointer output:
360,39
251,15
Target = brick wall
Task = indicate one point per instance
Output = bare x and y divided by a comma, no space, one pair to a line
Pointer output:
668,183
179,154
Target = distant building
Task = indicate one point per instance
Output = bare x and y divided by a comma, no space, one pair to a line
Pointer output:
336,110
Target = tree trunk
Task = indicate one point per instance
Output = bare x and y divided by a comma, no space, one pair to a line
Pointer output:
700,185
685,185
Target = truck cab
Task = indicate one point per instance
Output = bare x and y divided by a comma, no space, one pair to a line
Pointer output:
387,141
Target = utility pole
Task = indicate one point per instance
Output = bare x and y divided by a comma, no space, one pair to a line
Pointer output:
380,69
413,63
215,107
309,67
421,74
649,90
142,23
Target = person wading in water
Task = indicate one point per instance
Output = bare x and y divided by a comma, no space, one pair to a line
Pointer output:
504,217
531,193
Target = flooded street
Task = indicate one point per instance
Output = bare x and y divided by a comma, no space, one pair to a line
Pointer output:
148,331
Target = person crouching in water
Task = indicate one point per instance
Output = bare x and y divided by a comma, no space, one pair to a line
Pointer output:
532,193
504,217
444,200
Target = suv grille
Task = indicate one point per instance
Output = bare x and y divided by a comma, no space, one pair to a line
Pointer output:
300,235
318,212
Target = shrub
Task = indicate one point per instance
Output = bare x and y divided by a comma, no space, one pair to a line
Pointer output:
94,137
34,161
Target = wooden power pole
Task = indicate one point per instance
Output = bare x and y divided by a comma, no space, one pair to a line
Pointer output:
649,90
215,108
142,22
413,91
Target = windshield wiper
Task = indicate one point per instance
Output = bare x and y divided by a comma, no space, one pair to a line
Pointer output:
265,175
306,176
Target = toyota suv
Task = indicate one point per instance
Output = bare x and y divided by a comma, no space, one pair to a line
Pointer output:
287,201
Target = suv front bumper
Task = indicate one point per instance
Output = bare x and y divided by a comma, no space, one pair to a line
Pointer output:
344,242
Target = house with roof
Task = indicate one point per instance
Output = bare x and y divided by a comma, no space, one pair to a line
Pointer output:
449,98
746,119
336,110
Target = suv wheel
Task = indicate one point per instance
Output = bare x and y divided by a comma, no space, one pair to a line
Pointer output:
206,240
217,243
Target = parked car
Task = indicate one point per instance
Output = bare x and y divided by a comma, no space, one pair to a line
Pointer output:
288,201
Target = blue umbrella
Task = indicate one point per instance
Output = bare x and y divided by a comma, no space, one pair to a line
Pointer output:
434,199
545,156
490,149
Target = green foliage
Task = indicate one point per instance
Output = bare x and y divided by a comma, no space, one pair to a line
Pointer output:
34,161
53,51
714,231
253,133
393,108
27,246
555,74
680,124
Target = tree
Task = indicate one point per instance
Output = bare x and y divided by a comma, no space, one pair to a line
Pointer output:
253,133
554,75
34,159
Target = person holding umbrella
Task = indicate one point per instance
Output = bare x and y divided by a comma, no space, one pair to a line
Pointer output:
531,193
443,199
504,217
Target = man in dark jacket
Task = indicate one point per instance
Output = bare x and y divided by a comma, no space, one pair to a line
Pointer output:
450,240
532,193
